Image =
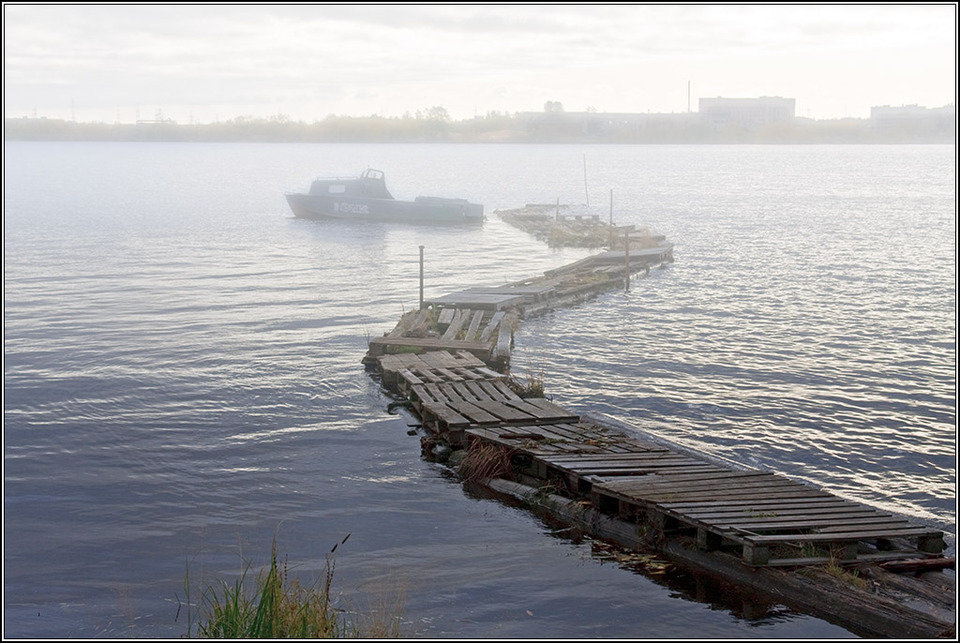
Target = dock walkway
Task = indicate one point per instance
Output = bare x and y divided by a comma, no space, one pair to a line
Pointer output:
771,519
450,362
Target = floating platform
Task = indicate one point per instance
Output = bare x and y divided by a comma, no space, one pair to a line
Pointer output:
481,319
450,363
564,225
770,518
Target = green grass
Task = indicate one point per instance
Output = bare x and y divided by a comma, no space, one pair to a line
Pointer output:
533,387
849,576
278,606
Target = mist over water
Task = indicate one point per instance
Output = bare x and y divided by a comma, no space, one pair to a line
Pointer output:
183,379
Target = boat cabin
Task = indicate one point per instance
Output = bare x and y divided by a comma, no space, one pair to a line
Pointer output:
369,185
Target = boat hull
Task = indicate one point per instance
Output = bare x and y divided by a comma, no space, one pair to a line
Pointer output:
422,210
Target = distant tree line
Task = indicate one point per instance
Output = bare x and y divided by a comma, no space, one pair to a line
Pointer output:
553,125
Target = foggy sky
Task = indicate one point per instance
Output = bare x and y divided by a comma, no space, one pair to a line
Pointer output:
209,62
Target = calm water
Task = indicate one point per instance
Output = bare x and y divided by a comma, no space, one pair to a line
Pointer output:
183,379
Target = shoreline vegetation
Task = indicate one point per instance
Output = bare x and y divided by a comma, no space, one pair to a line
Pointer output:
435,126
279,606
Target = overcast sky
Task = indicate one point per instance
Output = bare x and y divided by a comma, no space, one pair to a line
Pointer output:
307,61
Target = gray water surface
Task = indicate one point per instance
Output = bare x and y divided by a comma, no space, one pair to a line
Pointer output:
182,377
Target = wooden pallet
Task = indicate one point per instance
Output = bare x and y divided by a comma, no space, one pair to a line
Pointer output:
445,361
400,370
451,407
775,520
772,519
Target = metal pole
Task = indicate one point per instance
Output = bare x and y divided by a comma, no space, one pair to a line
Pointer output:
611,218
626,261
557,218
421,277
585,190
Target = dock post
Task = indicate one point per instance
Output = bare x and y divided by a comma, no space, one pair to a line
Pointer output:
421,278
626,261
557,217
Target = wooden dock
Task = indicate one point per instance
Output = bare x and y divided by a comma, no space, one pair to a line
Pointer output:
563,225
768,518
481,320
450,363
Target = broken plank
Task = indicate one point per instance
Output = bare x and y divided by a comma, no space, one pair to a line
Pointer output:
491,325
446,316
474,326
458,321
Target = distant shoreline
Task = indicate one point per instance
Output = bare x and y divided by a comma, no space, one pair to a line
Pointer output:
407,142
496,129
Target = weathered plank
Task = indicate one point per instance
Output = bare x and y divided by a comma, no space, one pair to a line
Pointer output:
478,391
738,504
445,415
485,301
491,325
850,524
406,321
475,413
557,414
463,391
504,388
459,318
773,511
755,483
504,412
437,393
471,334
446,316
410,378
841,536
552,409
468,359
426,374
427,343
504,338
783,492
449,375
467,373
419,393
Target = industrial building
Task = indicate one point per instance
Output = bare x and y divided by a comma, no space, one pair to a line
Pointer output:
746,113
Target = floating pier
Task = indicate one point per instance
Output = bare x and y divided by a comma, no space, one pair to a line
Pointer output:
564,225
481,320
449,362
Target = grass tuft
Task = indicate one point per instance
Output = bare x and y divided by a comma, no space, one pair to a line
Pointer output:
533,387
849,576
280,607
483,462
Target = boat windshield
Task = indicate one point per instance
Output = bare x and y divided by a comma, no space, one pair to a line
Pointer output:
373,185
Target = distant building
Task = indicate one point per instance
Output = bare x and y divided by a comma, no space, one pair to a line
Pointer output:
914,119
746,113
602,123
